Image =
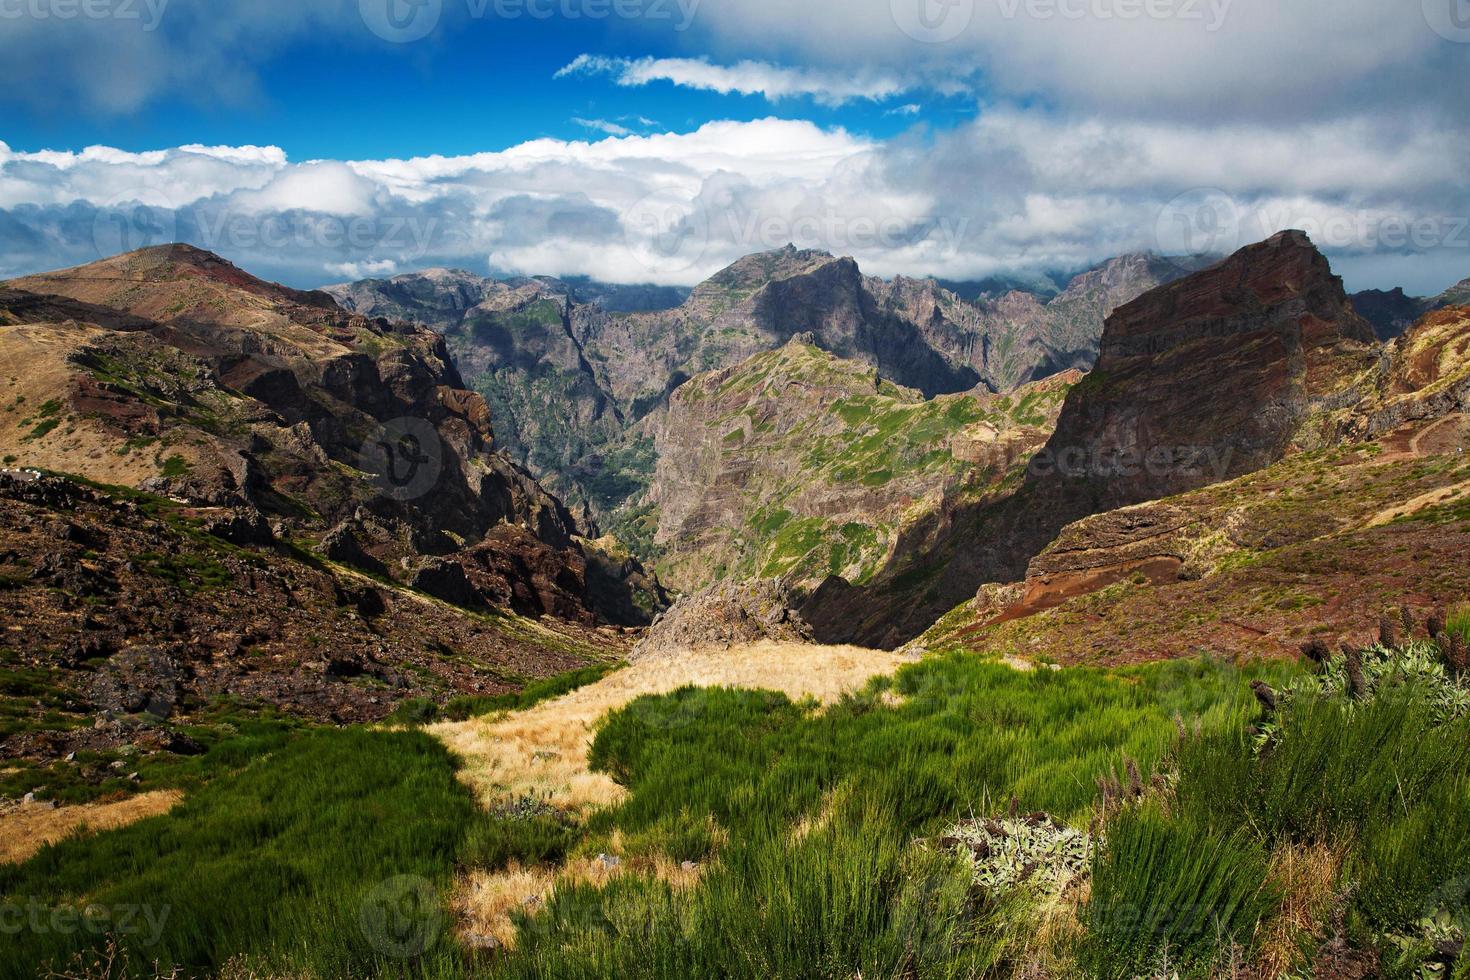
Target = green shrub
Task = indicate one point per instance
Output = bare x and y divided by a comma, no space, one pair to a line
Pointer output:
464,708
1170,890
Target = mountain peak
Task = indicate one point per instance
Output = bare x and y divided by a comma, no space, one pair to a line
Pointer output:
1284,279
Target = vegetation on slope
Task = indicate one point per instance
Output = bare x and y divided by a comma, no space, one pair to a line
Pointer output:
821,463
1332,830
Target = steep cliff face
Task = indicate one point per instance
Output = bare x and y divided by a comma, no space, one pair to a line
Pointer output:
1211,376
1198,381
798,464
1026,339
516,344
171,370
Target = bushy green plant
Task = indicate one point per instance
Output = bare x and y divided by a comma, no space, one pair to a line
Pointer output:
466,707
1166,887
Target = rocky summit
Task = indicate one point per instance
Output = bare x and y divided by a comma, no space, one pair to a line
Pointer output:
1206,378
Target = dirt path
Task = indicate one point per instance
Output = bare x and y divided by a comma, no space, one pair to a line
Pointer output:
543,750
1431,499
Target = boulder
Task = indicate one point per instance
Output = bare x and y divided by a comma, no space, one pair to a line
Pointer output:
444,579
723,616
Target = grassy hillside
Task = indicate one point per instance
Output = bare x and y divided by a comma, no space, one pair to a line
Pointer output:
896,833
797,463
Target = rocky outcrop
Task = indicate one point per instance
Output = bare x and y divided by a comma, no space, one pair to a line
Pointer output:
1210,377
726,615
208,385
123,609
1424,375
1198,381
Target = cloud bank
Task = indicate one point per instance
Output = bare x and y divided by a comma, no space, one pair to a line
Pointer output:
1014,190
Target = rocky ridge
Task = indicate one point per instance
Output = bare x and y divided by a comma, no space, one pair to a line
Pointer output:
571,382
725,615
1198,381
170,370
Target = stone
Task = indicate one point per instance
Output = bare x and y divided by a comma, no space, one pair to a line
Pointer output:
725,615
446,580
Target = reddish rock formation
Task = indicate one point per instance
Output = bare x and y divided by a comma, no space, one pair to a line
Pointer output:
1198,381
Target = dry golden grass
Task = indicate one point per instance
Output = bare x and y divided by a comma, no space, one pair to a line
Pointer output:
1433,498
26,829
485,903
34,368
543,751
1307,877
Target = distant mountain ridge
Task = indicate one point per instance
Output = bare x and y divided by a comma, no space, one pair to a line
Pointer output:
568,379
1392,311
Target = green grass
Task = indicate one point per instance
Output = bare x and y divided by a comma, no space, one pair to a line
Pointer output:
175,466
1383,780
423,712
1171,890
42,429
294,866
966,735
1458,622
277,861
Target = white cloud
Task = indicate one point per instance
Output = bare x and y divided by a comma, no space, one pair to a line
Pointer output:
603,126
1013,190
1261,59
744,78
353,271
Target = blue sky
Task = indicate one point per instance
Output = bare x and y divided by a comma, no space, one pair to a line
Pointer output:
479,81
483,84
657,140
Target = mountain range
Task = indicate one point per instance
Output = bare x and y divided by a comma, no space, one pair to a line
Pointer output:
579,390
896,455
